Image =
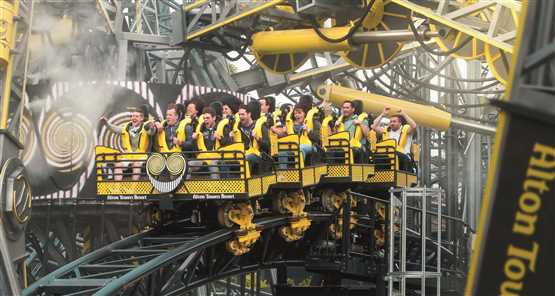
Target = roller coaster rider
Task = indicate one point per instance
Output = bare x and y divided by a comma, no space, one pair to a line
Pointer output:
281,117
369,146
205,138
243,132
172,133
303,126
312,112
136,139
277,128
358,128
401,128
313,119
190,122
225,125
263,125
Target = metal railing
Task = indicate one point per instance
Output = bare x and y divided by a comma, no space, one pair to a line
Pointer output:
198,165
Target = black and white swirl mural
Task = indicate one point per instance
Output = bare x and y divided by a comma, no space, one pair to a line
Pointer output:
67,140
61,128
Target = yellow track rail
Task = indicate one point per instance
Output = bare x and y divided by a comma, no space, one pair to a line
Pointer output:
250,11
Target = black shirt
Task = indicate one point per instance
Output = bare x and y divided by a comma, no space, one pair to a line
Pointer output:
246,134
209,136
226,139
171,132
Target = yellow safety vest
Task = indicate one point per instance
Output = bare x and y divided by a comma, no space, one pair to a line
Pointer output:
202,146
289,121
402,138
340,125
220,128
303,137
258,125
254,147
309,122
237,133
180,135
144,142
273,136
356,140
309,119
189,121
200,140
325,131
372,139
238,144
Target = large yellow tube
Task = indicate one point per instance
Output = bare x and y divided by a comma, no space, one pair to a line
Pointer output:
298,41
427,116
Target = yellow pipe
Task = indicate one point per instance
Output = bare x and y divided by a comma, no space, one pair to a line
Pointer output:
424,115
194,5
298,41
7,13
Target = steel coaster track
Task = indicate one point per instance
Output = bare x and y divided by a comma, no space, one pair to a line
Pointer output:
171,260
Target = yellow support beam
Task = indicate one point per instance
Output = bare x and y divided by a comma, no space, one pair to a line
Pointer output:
7,13
194,5
429,13
246,13
105,15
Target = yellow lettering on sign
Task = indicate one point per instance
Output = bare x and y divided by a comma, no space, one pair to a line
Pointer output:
545,153
524,223
541,169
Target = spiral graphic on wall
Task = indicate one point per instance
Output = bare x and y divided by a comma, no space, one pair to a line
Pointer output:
109,138
67,139
27,136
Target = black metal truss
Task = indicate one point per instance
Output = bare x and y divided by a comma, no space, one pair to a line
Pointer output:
172,260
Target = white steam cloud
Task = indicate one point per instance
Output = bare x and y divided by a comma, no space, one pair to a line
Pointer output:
69,45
